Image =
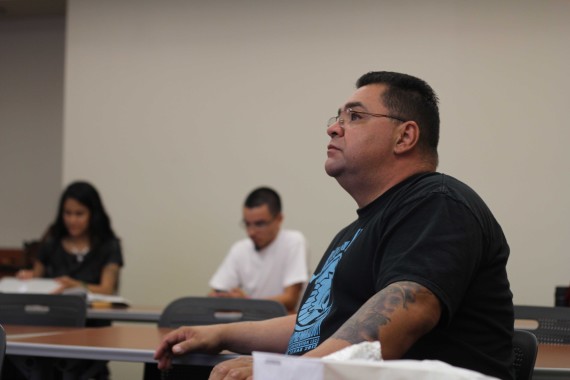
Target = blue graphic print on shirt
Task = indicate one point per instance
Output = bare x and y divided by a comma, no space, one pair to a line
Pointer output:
318,305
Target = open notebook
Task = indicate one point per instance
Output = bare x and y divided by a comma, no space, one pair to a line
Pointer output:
48,285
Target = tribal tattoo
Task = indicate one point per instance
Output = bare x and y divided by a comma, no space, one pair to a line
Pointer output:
376,312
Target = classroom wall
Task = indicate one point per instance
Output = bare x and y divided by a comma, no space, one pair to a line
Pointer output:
177,109
31,125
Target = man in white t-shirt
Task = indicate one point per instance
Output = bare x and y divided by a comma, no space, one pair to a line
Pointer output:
271,263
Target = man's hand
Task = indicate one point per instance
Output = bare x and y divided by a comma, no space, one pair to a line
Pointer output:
233,293
207,339
235,369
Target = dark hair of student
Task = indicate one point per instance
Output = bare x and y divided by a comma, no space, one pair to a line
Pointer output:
409,98
99,223
264,196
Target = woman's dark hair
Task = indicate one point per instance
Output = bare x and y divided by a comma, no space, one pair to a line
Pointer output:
99,229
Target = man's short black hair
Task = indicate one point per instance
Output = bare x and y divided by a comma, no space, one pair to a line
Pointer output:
409,98
264,196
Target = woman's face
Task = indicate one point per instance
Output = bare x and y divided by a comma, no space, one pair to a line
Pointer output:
76,217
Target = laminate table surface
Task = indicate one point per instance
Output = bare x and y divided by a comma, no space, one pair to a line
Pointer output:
132,343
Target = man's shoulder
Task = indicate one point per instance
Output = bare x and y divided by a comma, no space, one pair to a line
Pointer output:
427,184
293,235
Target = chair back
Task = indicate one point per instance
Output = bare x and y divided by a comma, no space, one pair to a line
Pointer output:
2,347
553,323
43,309
525,347
561,296
212,310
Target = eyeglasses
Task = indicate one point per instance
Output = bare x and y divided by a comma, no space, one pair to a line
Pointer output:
259,224
353,116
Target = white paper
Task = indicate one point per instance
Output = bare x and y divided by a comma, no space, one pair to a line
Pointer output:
32,285
364,351
268,366
105,298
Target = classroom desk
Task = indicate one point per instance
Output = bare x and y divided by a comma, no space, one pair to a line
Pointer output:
136,343
114,343
148,314
552,362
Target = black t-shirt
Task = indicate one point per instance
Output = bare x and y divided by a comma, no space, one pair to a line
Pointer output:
436,231
58,262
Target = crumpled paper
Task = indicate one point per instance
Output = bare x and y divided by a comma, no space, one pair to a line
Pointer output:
369,351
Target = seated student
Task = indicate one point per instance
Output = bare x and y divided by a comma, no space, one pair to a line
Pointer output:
422,269
80,248
271,263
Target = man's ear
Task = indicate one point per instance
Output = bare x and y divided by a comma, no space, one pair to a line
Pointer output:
408,135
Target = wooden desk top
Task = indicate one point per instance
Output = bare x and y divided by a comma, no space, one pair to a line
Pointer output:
120,343
553,356
137,343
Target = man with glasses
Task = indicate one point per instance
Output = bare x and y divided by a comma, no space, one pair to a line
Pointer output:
271,263
422,269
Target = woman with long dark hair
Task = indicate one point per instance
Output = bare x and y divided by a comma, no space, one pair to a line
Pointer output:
80,248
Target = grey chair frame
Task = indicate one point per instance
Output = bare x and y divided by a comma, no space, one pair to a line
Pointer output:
211,310
553,322
525,346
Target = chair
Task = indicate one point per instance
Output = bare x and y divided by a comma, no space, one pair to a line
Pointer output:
42,309
49,310
553,322
562,296
190,311
2,347
212,310
525,347
39,310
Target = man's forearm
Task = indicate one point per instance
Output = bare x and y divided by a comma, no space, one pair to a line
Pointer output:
271,335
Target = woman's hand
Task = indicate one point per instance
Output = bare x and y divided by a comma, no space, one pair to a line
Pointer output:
66,282
25,274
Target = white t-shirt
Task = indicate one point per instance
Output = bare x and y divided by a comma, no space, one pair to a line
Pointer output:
264,273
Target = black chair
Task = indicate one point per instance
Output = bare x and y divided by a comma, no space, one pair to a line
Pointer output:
525,347
49,310
212,310
39,310
188,311
562,296
553,323
2,347
42,309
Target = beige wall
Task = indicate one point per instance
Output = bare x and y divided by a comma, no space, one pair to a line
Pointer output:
31,130
176,109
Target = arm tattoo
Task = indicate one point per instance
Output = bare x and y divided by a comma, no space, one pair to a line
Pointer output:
366,323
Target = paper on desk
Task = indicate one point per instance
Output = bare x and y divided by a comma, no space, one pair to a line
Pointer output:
31,286
397,370
268,366
362,351
112,300
358,362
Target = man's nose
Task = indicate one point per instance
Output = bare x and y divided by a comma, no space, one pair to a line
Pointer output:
335,129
